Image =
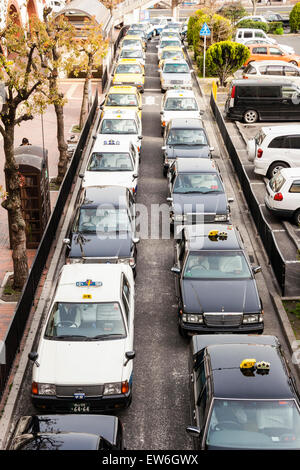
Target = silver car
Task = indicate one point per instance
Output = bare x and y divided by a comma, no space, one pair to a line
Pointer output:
175,74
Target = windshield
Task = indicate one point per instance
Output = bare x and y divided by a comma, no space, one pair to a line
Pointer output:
172,55
277,182
131,42
170,42
116,99
250,424
131,53
176,68
101,161
198,183
85,321
128,68
181,104
187,137
217,265
103,219
259,137
118,126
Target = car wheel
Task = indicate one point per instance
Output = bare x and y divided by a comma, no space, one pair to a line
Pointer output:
293,62
296,217
250,116
274,168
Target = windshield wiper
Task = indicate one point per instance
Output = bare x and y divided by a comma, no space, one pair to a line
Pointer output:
70,336
107,336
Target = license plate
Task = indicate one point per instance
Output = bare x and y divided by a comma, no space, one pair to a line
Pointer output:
80,408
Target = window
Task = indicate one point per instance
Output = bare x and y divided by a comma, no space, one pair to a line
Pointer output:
121,99
250,70
204,183
102,161
274,70
276,182
118,126
269,91
289,92
293,141
216,265
275,51
247,34
258,34
291,72
259,50
202,406
295,188
263,70
247,91
277,143
126,296
181,104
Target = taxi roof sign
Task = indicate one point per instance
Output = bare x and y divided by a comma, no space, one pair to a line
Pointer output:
247,363
216,235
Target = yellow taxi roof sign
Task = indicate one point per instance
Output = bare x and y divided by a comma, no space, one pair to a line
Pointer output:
247,363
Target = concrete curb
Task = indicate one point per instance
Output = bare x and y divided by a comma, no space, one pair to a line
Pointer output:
6,424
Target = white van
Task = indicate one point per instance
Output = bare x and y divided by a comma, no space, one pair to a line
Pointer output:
245,35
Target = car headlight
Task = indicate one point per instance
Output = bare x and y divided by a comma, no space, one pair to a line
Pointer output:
192,318
74,260
252,318
220,217
47,389
180,217
116,388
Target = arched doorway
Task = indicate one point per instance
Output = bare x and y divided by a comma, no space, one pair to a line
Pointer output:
31,9
13,12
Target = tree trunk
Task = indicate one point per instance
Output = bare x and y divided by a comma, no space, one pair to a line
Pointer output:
85,98
60,129
254,2
13,205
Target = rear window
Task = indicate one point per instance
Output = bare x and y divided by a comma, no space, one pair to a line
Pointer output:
295,188
258,91
276,182
250,70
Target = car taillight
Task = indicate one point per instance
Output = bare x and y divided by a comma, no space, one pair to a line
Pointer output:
233,92
259,153
244,76
278,197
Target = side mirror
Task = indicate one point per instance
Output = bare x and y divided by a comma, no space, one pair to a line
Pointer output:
175,270
256,269
164,147
230,199
81,175
161,113
32,356
66,241
134,176
129,356
140,137
136,240
140,108
101,107
201,112
211,149
194,431
169,199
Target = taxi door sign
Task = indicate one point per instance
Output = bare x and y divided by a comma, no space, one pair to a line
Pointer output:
86,296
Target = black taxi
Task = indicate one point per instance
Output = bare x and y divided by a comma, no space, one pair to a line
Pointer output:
214,282
243,394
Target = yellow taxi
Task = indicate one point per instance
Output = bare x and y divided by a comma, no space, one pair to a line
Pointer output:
131,40
129,72
123,97
171,52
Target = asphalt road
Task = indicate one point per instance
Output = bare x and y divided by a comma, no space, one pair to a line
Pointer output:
160,410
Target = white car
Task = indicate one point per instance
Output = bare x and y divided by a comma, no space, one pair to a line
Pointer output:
133,53
125,122
83,362
177,104
259,18
112,162
274,148
167,42
283,194
253,36
175,73
270,69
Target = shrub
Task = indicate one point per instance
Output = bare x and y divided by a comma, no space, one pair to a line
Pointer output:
275,26
233,11
192,20
295,18
253,25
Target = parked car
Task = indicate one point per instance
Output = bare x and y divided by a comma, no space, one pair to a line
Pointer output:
214,282
83,363
270,52
129,72
196,193
272,16
178,104
167,42
258,18
103,230
123,122
175,74
239,403
270,69
274,148
123,97
170,52
264,100
68,432
258,36
283,194
185,138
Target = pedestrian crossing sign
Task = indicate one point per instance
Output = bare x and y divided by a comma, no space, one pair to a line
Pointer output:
205,31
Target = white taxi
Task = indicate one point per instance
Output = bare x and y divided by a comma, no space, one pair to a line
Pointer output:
112,162
123,122
83,362
178,104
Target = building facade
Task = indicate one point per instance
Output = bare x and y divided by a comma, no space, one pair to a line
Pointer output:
21,10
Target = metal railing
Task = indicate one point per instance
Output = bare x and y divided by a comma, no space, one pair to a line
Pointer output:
16,329
275,257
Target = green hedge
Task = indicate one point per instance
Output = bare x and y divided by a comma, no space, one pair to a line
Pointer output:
253,25
295,18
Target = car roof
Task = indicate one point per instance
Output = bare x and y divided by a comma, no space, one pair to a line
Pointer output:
291,172
121,143
229,381
108,275
115,196
250,29
190,123
198,239
287,129
274,62
265,82
199,165
61,441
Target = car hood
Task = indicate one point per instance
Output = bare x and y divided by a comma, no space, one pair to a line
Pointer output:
197,202
187,151
216,296
133,138
59,362
108,178
101,245
185,77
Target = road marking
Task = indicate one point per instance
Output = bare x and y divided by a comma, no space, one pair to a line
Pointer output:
70,91
150,100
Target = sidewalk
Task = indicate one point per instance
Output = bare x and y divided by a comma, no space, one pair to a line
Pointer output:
33,131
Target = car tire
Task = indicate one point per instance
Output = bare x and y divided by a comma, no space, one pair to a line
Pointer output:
250,116
165,172
275,167
293,62
296,217
162,131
